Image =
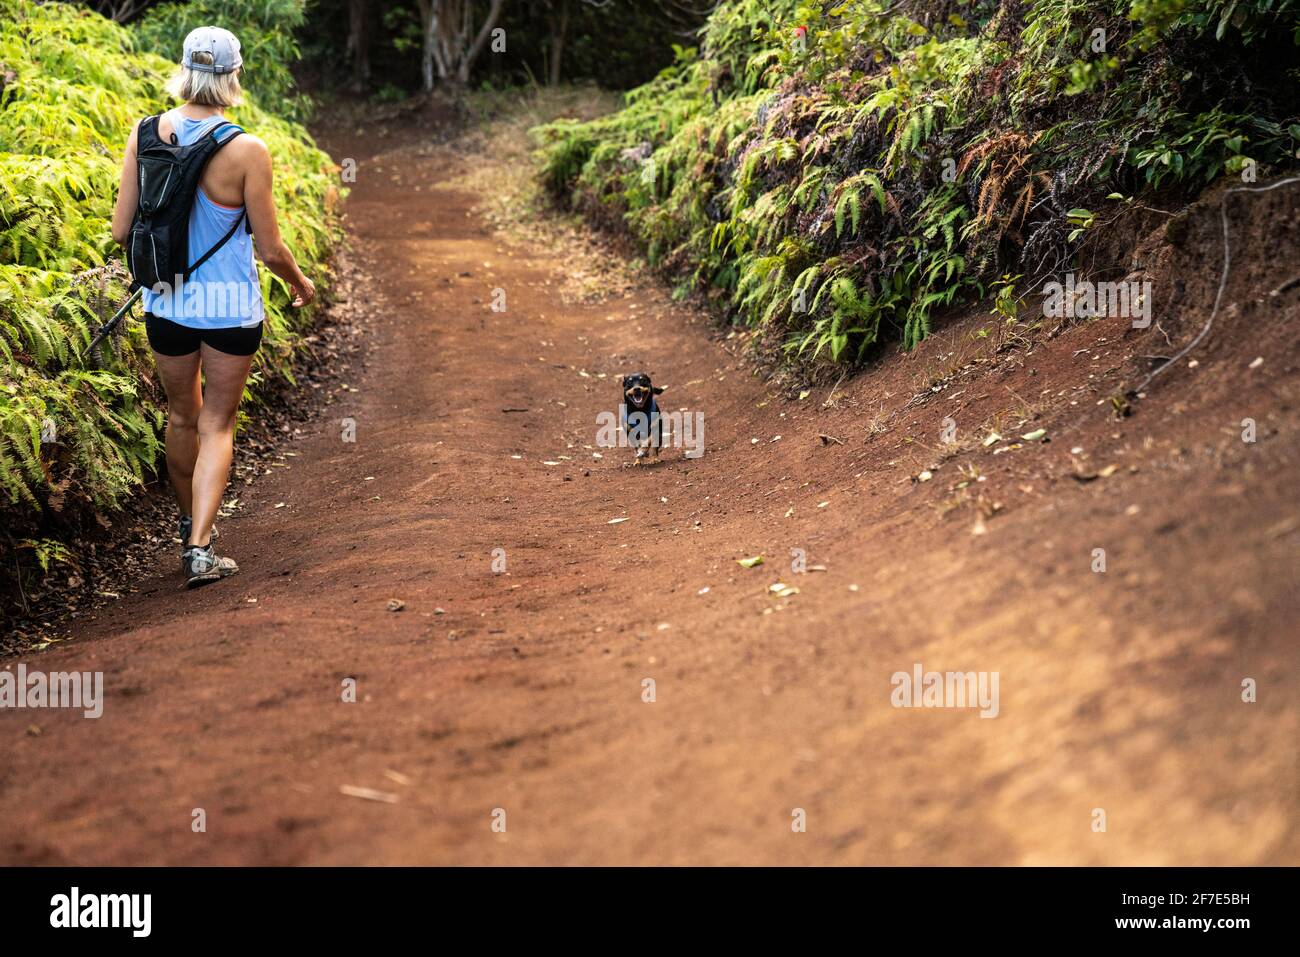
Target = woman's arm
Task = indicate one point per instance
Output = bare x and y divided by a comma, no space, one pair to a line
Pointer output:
261,216
128,193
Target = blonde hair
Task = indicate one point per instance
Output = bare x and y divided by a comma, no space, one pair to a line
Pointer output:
205,89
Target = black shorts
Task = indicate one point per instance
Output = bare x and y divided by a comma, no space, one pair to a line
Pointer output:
172,339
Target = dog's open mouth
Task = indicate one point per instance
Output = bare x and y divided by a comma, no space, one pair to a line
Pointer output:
638,394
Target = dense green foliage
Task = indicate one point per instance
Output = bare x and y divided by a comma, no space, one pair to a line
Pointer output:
834,171
265,31
71,430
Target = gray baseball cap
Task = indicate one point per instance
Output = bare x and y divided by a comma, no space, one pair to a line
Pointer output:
220,43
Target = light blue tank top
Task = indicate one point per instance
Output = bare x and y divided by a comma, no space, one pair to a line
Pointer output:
224,292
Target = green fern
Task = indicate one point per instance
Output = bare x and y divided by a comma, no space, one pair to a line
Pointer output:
79,84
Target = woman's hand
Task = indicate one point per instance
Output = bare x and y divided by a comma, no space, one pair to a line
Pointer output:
303,292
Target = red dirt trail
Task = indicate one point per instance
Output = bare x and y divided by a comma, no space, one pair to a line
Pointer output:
523,690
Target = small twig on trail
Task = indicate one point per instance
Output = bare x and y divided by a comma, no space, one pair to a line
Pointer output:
1223,278
1286,286
828,439
1026,410
830,398
18,577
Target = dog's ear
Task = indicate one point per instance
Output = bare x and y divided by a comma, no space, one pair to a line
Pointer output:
627,381
659,389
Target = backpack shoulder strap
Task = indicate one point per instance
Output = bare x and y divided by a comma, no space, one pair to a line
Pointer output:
220,129
234,228
147,133
215,135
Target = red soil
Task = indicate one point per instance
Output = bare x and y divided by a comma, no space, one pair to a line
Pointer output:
523,690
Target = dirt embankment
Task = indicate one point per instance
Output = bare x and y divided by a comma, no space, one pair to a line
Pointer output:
517,692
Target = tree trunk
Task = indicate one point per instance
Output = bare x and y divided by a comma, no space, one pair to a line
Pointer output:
447,26
559,32
467,60
447,41
429,23
359,43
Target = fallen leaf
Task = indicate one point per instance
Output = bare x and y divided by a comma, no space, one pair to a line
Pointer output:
368,794
1108,471
750,562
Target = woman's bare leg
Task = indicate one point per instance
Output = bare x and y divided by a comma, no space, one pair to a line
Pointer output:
225,376
180,379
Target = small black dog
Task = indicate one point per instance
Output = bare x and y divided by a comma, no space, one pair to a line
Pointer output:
639,416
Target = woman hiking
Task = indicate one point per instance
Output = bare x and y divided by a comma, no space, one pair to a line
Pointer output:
204,343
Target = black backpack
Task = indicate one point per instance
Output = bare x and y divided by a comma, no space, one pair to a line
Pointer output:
157,251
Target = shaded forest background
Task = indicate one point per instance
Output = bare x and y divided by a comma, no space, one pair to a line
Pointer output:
389,48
